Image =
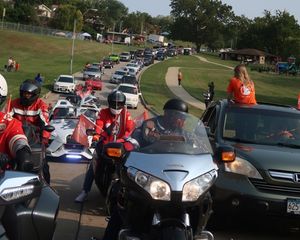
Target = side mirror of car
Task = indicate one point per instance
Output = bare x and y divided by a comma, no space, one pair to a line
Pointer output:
225,153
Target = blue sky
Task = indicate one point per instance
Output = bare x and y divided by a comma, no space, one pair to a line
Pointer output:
249,8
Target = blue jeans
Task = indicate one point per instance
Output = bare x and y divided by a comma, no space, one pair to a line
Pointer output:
89,178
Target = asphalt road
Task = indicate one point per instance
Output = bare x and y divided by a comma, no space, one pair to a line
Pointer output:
83,221
80,221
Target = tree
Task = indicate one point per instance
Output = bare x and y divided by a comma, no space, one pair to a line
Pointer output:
199,21
277,34
111,12
64,18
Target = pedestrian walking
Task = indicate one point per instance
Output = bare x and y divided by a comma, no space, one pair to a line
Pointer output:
179,76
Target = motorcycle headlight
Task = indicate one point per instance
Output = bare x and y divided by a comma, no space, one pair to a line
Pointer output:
10,194
157,188
193,189
243,167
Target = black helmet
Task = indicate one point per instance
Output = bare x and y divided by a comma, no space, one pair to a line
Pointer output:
31,86
176,104
116,101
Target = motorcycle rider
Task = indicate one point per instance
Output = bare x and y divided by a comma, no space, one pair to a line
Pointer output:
14,144
113,123
32,109
142,136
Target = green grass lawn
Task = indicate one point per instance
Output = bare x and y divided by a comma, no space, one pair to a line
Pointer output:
50,56
270,87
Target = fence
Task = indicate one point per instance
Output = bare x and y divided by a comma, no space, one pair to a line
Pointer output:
38,30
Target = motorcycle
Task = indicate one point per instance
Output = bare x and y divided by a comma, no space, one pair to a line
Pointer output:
163,190
105,167
38,149
209,94
28,206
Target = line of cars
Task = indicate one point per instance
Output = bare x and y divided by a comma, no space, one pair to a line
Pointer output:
75,100
127,80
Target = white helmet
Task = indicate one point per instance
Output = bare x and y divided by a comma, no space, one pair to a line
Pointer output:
3,89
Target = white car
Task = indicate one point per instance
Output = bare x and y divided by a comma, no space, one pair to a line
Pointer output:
132,94
136,66
125,56
92,72
64,84
133,71
117,76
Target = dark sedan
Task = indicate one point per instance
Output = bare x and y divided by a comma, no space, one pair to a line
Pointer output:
257,148
108,63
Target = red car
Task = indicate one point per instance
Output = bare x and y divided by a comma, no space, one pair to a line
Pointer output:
94,83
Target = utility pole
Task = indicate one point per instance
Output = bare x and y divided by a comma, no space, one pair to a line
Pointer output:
113,38
73,44
3,15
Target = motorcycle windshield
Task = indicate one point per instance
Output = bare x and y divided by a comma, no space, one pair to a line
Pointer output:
174,132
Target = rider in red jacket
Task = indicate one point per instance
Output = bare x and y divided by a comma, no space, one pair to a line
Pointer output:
14,143
30,108
113,123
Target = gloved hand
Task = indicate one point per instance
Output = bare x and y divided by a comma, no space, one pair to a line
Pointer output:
109,129
3,161
45,141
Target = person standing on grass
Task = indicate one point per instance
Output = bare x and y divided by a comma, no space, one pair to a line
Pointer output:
241,87
179,76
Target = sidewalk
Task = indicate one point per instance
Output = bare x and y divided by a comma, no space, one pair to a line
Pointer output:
179,91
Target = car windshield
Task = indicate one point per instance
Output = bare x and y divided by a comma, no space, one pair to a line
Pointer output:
262,126
120,73
175,132
64,113
128,89
129,79
131,65
65,79
92,69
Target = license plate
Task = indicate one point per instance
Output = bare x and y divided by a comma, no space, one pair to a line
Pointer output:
293,206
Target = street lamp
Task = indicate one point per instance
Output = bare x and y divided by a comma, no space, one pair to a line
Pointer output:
73,39
3,15
113,38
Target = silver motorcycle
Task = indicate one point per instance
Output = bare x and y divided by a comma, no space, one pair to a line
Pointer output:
163,192
28,206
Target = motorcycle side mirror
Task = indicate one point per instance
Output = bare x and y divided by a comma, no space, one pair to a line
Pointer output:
225,153
90,132
208,131
49,128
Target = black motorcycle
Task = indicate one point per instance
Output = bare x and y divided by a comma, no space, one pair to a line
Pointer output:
38,149
28,206
105,167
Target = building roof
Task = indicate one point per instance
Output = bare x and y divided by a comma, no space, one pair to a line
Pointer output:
251,52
